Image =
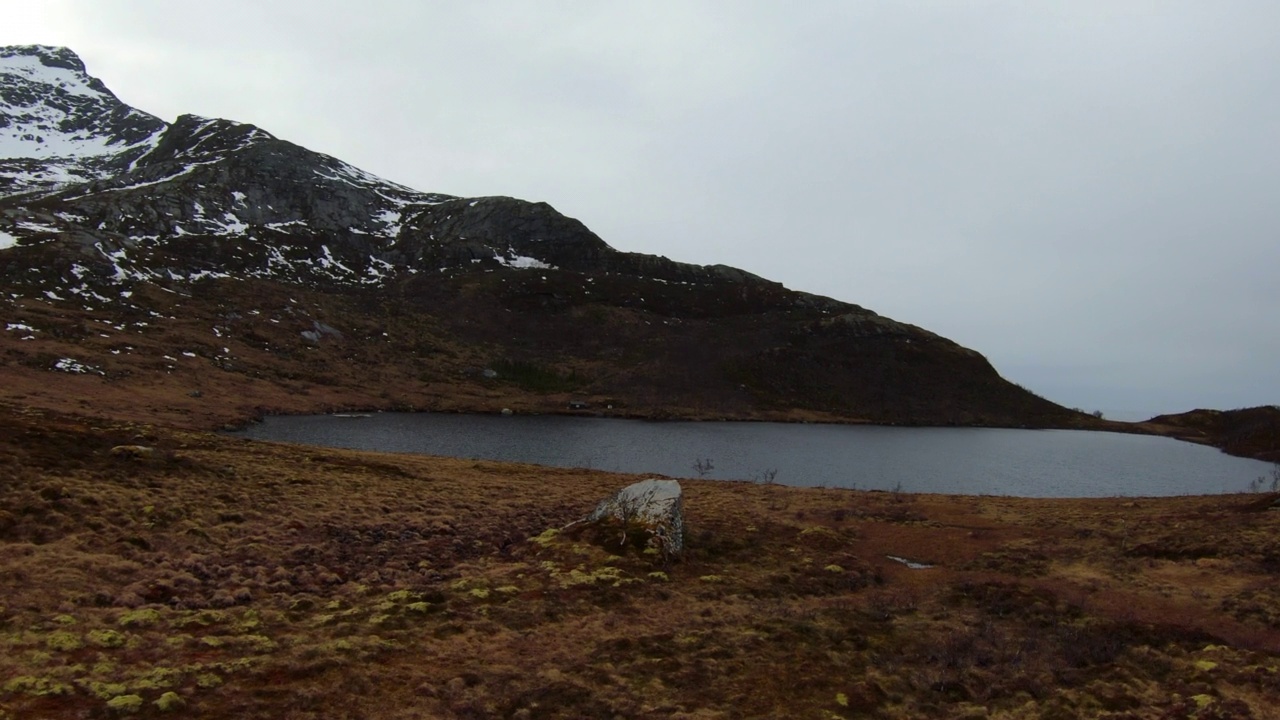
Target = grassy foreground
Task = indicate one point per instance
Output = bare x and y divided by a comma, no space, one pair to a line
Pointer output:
216,577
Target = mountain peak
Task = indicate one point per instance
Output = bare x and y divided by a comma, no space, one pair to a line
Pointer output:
60,125
49,55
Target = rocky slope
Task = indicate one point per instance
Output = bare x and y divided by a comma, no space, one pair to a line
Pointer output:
211,257
1248,432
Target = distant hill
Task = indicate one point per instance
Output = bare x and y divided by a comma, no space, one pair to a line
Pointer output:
1249,432
207,269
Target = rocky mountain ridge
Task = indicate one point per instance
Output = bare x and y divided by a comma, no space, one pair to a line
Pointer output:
201,236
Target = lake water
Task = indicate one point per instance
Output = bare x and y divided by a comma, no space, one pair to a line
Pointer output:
970,461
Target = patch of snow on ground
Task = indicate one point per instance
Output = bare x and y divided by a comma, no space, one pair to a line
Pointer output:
329,262
379,269
230,224
390,220
36,227
7,241
207,275
19,326
522,262
71,365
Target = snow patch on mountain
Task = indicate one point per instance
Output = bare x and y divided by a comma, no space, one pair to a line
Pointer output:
53,113
523,262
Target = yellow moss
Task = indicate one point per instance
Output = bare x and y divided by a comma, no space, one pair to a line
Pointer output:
106,638
258,643
1202,700
61,619
63,641
577,576
38,686
139,618
419,607
842,700
479,593
125,703
156,678
208,680
1206,665
507,589
834,568
206,618
104,690
250,621
546,538
170,701
711,579
659,576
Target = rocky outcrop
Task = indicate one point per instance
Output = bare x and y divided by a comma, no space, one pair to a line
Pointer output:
647,516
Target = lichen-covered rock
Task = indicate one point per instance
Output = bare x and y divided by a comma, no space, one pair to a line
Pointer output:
648,515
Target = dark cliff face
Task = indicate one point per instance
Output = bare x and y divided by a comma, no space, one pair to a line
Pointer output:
218,213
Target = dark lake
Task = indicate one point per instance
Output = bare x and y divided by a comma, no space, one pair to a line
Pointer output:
969,461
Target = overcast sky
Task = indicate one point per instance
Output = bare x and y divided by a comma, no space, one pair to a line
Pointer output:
1087,192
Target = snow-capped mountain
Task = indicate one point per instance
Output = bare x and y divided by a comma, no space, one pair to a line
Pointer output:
59,126
134,191
112,217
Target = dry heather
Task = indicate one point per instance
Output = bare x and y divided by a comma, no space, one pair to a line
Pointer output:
215,577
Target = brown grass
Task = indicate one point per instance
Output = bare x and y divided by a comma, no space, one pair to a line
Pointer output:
225,578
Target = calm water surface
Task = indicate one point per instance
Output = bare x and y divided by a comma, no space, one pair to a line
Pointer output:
971,461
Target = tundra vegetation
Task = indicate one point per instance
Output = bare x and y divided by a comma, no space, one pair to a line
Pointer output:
217,577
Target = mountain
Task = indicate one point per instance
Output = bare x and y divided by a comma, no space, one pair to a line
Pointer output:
205,269
1248,432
